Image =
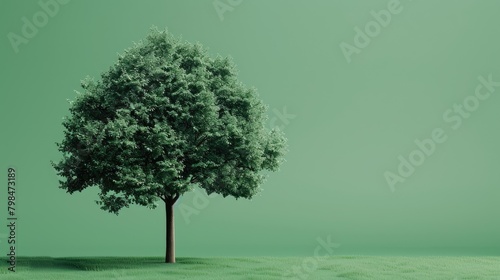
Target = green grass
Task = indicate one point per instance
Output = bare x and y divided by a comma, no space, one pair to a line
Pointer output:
338,267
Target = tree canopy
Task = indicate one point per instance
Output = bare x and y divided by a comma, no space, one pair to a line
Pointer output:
164,118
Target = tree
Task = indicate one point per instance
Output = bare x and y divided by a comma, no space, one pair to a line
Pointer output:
166,117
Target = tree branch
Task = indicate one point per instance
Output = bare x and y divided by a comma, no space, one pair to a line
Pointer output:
194,180
170,199
175,198
162,197
203,140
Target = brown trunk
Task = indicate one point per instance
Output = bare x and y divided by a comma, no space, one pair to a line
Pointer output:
170,231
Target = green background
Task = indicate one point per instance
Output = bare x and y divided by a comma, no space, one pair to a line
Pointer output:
351,122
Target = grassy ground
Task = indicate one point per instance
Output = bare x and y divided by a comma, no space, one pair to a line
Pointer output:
338,267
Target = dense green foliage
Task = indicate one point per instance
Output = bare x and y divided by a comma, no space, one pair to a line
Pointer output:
268,268
163,118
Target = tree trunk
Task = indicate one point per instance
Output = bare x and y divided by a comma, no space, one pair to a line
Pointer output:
170,231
